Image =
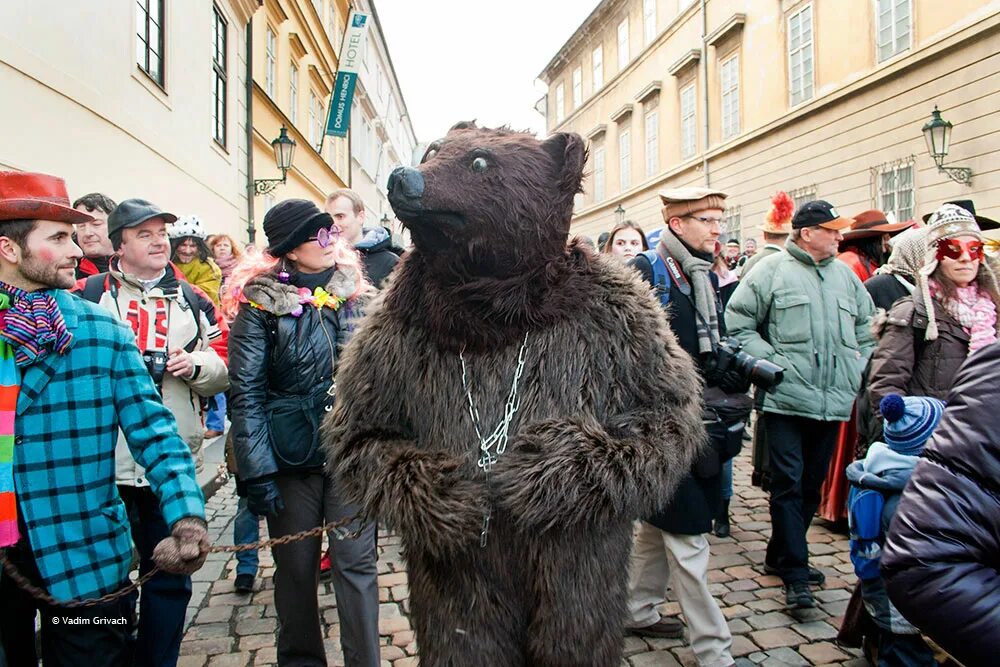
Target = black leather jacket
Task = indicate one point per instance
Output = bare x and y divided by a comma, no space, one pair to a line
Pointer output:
281,372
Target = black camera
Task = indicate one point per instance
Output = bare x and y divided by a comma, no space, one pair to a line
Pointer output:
156,364
730,359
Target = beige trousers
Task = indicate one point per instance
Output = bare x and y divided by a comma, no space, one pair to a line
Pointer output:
659,558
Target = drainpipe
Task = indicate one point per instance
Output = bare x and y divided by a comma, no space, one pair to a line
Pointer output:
704,88
251,229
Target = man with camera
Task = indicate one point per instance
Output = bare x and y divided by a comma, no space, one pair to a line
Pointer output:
808,313
680,270
174,325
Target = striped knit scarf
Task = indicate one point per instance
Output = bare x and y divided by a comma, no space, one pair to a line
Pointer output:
9,387
34,325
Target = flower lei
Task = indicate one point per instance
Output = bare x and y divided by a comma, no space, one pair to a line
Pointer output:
319,298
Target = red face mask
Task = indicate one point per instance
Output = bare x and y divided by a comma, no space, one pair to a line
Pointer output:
954,248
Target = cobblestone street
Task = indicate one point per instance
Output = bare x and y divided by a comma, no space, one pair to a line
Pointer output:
228,629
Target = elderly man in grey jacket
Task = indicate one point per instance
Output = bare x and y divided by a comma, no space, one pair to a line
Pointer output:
810,314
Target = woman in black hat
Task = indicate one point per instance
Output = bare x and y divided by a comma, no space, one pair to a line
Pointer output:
293,309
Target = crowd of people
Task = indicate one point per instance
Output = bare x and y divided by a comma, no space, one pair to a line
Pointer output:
109,399
879,334
871,321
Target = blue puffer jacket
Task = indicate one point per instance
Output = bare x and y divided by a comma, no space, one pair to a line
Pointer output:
942,554
885,472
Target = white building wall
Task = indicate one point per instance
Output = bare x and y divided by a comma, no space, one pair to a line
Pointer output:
75,104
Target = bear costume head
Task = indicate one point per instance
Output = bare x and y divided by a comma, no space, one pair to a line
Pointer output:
489,213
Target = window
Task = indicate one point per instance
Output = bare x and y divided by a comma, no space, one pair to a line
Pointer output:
623,56
729,73
270,61
293,94
268,204
649,20
803,196
315,120
220,63
599,174
560,103
800,56
895,190
689,137
893,31
149,39
652,142
624,158
731,225
577,87
597,66
333,28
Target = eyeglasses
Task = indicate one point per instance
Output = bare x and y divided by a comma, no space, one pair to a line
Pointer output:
324,237
707,221
954,249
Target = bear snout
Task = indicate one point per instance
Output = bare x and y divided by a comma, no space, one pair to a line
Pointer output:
406,187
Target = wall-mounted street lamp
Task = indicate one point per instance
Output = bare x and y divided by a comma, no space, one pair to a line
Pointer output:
620,214
937,132
284,152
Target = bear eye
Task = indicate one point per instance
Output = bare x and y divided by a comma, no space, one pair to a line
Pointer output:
429,154
479,164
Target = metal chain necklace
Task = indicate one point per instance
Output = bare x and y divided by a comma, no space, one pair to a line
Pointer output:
494,445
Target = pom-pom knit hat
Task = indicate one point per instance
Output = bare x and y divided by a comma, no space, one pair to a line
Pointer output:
909,421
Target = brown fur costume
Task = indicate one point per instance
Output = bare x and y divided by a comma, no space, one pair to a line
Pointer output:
609,419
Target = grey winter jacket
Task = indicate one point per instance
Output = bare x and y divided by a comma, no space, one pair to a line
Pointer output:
814,320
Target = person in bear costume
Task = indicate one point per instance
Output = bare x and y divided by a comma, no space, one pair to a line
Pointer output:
512,404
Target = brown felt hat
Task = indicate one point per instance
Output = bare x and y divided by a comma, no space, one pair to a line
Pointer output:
874,223
681,202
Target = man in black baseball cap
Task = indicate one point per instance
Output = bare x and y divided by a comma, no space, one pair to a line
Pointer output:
132,213
808,312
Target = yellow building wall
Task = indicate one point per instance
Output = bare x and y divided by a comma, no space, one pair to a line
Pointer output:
302,36
862,114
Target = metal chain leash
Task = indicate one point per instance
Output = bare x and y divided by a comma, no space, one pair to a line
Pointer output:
338,528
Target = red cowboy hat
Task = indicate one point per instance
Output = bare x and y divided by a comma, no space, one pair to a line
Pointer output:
27,196
874,223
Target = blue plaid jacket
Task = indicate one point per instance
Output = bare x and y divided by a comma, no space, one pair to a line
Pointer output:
68,414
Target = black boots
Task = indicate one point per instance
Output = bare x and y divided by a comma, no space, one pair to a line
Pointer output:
721,527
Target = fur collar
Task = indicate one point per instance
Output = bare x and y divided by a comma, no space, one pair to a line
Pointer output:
280,298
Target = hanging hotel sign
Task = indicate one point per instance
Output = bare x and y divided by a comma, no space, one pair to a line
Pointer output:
351,53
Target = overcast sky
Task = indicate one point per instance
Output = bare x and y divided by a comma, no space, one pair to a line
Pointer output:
459,60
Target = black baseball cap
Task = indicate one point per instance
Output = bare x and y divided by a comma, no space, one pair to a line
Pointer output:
133,212
820,213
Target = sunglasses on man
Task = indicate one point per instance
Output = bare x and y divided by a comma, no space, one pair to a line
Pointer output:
955,248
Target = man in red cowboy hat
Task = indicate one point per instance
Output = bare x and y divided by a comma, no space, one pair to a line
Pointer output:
866,244
70,378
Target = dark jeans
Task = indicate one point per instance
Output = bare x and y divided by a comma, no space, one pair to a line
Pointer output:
163,599
903,651
309,499
99,636
799,451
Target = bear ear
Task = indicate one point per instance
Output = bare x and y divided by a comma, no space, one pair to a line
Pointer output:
569,154
464,125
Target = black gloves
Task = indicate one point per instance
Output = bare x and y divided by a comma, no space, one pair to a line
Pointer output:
730,381
263,497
